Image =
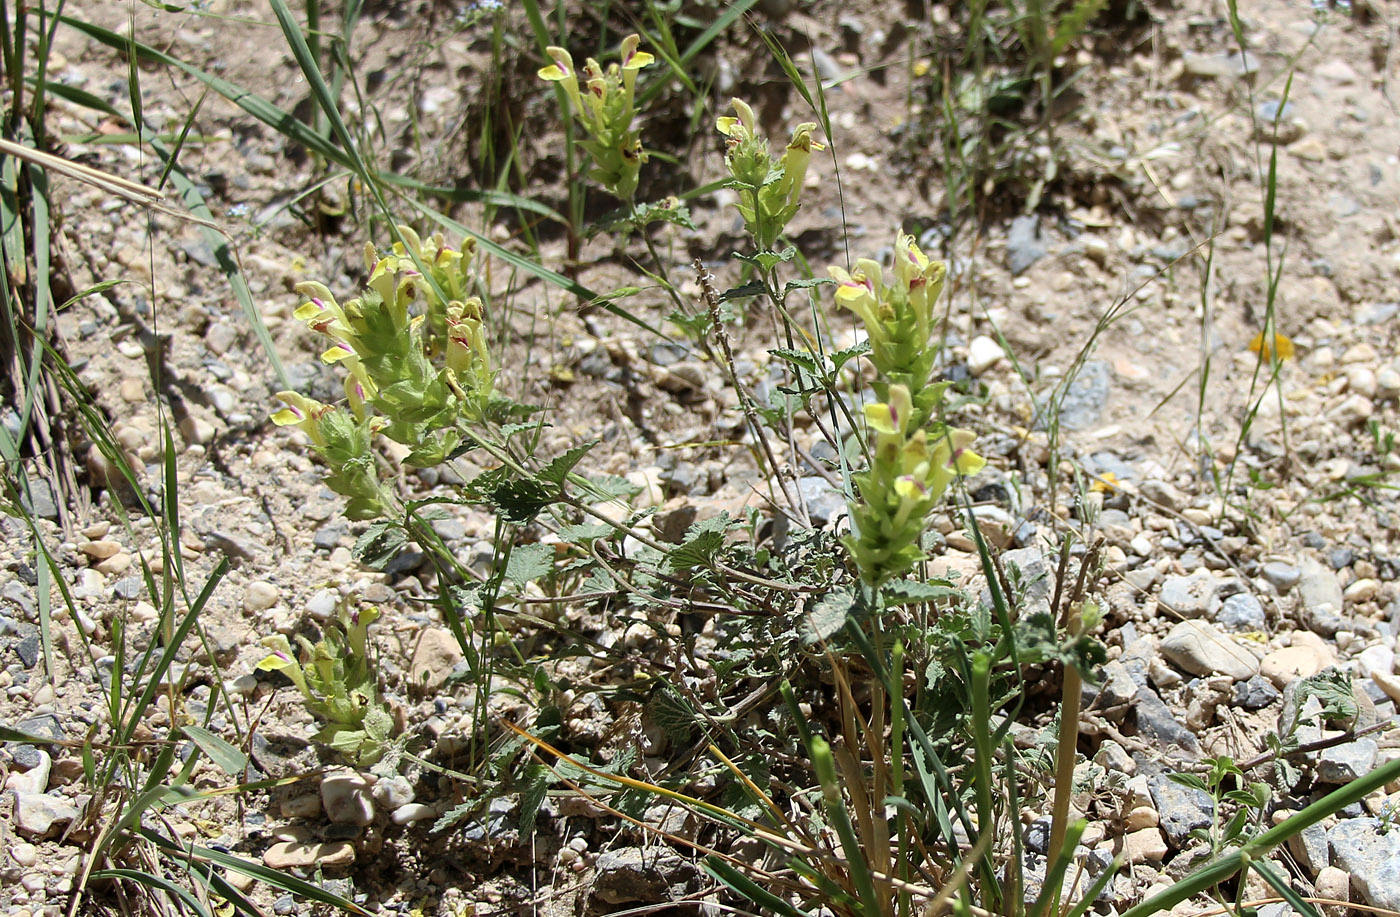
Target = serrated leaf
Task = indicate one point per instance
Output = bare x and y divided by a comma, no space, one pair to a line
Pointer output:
529,562
702,543
558,469
455,816
805,283
743,291
828,616
841,357
380,544
672,712
603,488
584,532
225,756
537,777
799,358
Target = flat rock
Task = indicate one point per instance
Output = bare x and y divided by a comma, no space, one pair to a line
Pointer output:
434,657
37,815
1201,649
1320,598
1311,848
1241,613
1189,596
1372,858
634,874
1291,663
297,854
1155,721
1345,763
1281,576
1145,846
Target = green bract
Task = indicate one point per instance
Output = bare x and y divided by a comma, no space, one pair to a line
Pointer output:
769,191
337,683
417,366
915,457
603,104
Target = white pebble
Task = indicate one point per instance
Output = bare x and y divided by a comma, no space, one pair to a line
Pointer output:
1362,381
24,854
982,354
412,812
260,596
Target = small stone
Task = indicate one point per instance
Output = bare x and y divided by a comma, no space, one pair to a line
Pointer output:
394,792
1310,848
307,805
1362,381
1281,576
115,565
1389,684
25,855
1156,721
34,778
1291,663
1241,613
412,812
100,550
1181,809
346,797
1140,818
1374,659
1347,762
322,606
1145,846
1321,599
632,874
1363,590
1201,649
1388,382
260,596
197,431
1255,694
1189,596
982,354
436,654
38,814
1334,884
1024,245
300,855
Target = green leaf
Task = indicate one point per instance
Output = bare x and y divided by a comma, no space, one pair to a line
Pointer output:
828,616
799,358
805,283
743,291
912,592
529,562
225,756
841,357
672,712
379,544
703,543
537,778
558,469
1191,781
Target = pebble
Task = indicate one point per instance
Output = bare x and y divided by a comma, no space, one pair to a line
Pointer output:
1180,809
434,657
38,814
322,606
1201,649
1320,597
393,792
197,431
100,550
1189,596
1290,664
1310,847
307,805
297,854
260,596
1281,576
1347,762
982,354
1362,381
412,812
35,777
26,855
1363,590
1255,694
1372,856
1145,846
1374,659
631,874
347,799
1024,245
1241,613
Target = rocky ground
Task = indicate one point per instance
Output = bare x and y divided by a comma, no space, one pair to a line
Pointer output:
1241,561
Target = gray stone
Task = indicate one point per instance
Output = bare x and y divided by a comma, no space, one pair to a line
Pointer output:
1155,721
1162,493
328,536
1220,66
1201,649
44,726
1311,849
40,499
1180,809
1281,576
28,649
1255,694
637,875
393,792
1346,762
37,815
1189,596
128,587
1117,687
1372,856
235,547
1241,613
1320,596
1024,246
